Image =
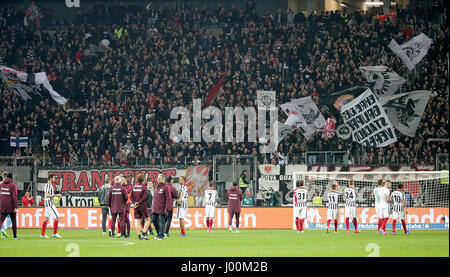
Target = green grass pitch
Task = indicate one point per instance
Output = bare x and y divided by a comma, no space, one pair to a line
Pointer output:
222,243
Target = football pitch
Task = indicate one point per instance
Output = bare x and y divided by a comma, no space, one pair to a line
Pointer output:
222,243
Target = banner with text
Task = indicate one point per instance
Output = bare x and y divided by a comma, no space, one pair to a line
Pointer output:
79,187
368,121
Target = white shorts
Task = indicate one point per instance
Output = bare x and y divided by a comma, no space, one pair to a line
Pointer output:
210,211
383,212
181,212
332,214
300,212
350,212
51,212
377,211
398,215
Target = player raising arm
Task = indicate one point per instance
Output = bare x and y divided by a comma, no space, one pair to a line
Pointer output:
350,206
399,208
300,204
333,207
210,200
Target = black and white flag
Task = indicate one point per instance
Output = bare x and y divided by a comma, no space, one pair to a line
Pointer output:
368,122
304,115
405,110
266,98
412,51
385,83
29,85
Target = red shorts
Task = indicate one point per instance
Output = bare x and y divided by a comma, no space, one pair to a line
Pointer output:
141,213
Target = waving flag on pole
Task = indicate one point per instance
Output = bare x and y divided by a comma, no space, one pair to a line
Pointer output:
29,85
412,51
18,141
385,83
304,115
405,110
214,90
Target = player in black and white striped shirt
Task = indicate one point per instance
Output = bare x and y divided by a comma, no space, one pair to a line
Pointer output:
50,208
300,205
350,206
333,205
182,204
210,200
399,208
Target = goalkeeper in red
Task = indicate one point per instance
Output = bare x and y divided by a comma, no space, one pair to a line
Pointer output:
350,206
300,204
399,209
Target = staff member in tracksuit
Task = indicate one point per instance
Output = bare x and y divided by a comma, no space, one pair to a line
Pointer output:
174,195
234,195
8,202
139,201
116,202
128,188
102,196
162,201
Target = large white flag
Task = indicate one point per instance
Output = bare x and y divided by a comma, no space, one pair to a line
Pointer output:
405,110
384,82
412,51
304,115
29,85
368,122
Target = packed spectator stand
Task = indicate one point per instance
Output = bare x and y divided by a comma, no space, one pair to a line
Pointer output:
124,67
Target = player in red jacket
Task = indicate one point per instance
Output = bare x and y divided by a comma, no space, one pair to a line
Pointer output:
116,202
139,200
128,187
8,202
234,195
161,205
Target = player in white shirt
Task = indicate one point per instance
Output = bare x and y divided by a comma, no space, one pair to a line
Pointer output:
300,205
383,193
377,202
50,209
333,205
350,206
182,204
210,200
399,208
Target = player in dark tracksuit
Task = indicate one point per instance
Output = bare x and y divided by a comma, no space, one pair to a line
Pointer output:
161,204
8,203
234,195
139,200
128,188
174,195
116,202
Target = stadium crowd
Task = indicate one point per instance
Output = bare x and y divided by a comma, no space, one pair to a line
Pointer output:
123,69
